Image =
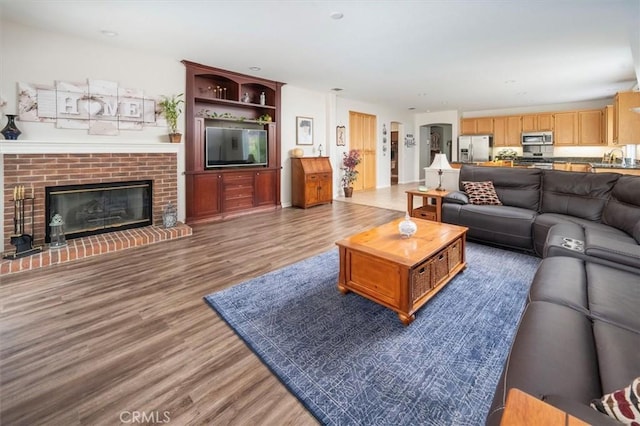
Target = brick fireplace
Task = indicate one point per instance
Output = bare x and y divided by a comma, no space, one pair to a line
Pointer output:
21,165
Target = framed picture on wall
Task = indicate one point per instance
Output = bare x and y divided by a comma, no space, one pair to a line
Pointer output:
304,131
340,140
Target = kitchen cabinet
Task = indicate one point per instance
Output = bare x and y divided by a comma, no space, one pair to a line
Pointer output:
507,131
607,125
477,126
537,122
578,128
590,127
566,128
311,181
545,122
626,118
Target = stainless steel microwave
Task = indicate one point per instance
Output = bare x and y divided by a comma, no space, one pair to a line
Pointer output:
537,138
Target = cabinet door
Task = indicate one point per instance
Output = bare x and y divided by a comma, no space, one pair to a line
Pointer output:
500,131
484,125
311,192
565,128
529,123
325,188
514,130
265,187
545,121
468,126
204,194
626,119
607,125
590,127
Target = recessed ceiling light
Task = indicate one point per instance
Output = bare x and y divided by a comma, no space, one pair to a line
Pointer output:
109,33
336,15
255,68
412,108
337,89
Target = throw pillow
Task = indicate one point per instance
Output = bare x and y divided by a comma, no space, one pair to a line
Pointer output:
622,405
481,193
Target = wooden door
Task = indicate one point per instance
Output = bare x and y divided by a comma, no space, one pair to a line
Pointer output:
362,136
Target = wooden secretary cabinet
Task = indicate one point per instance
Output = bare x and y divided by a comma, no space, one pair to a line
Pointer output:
311,181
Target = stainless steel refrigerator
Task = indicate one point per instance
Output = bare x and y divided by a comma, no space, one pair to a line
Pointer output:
474,148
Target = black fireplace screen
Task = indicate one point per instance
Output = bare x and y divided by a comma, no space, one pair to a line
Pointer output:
98,208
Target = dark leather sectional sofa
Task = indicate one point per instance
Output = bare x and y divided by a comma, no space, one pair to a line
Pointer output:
579,336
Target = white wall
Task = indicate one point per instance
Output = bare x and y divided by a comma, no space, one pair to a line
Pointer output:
34,56
297,101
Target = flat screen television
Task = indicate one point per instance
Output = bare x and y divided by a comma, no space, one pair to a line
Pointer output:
226,147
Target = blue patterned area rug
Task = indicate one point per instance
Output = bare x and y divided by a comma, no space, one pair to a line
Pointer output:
352,362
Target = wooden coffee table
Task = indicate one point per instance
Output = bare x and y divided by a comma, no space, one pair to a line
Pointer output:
401,273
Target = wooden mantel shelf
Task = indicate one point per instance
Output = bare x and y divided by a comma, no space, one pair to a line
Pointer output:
83,147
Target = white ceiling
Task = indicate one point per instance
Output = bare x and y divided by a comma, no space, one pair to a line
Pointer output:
432,55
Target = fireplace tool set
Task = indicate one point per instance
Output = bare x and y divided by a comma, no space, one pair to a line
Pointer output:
22,241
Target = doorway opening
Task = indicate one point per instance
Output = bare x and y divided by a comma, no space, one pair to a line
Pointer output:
435,138
395,161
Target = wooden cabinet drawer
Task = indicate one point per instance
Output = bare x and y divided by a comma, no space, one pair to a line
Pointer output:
318,177
425,212
238,203
238,179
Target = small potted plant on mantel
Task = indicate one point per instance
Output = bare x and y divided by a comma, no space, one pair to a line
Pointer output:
349,162
171,107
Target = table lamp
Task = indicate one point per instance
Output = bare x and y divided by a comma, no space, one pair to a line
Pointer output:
440,163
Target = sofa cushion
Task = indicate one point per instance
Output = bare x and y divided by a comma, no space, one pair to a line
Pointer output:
614,297
481,193
621,404
515,187
504,225
620,249
618,355
623,208
583,195
553,353
569,279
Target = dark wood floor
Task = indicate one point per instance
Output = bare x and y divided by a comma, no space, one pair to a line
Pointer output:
94,340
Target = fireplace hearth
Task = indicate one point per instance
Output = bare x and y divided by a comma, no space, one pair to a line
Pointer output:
96,208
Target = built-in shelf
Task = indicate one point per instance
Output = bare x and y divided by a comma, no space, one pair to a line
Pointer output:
218,101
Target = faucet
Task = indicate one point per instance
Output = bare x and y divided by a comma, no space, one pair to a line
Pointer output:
612,157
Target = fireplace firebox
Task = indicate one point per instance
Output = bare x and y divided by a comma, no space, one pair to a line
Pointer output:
97,208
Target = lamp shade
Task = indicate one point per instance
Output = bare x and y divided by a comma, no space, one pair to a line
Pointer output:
440,162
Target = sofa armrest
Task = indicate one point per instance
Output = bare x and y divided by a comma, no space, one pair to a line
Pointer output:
604,246
456,197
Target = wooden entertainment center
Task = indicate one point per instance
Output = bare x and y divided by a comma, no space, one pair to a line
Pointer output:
225,99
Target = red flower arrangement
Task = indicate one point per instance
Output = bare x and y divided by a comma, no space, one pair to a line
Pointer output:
349,162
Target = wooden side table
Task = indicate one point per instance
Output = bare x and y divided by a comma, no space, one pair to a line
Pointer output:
428,211
523,409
